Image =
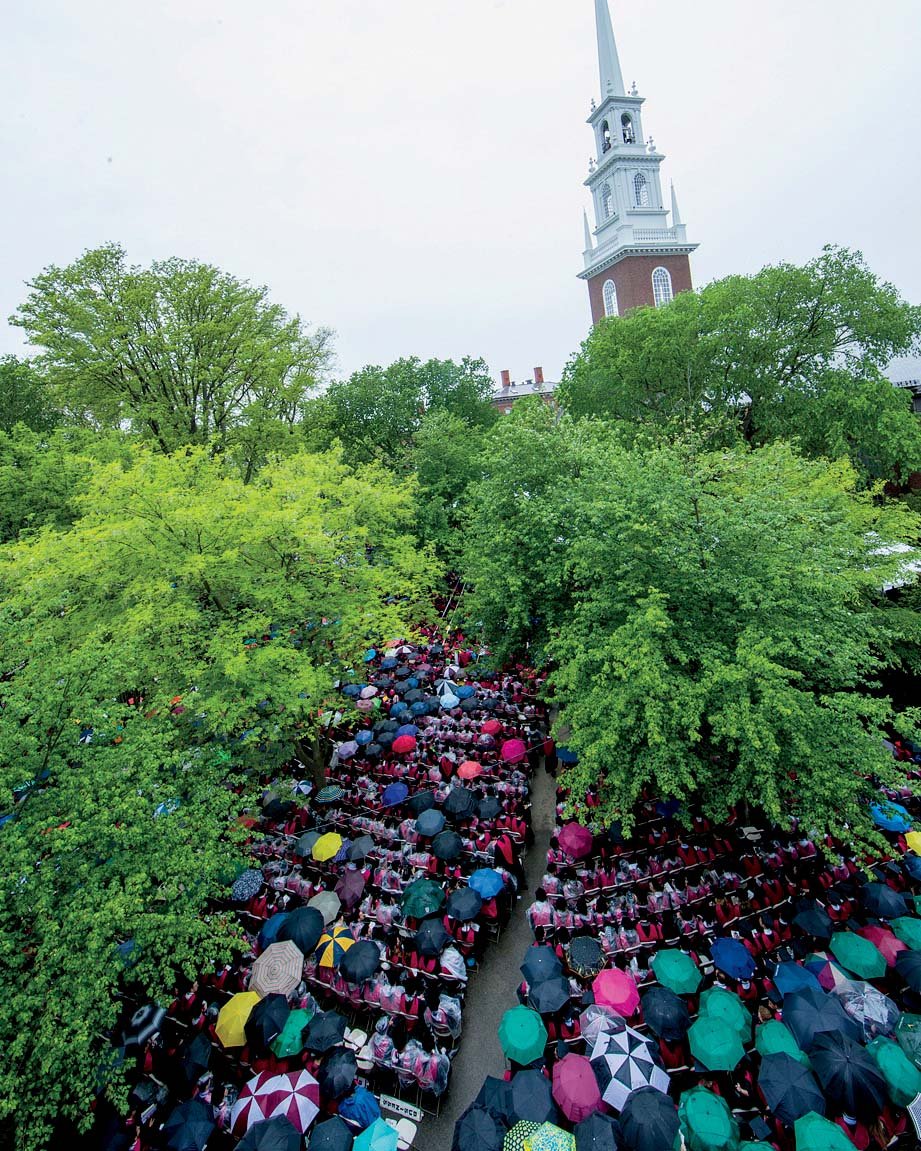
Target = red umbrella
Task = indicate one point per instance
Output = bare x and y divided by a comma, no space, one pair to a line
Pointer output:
470,769
514,751
404,744
296,1096
575,1088
615,988
576,840
884,941
491,727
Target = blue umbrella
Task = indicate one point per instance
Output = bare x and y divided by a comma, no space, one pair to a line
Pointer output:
362,738
370,654
352,690
430,822
420,707
465,691
389,664
449,701
566,755
486,882
666,808
731,956
792,977
912,864
398,709
394,793
270,929
891,816
246,885
412,682
407,729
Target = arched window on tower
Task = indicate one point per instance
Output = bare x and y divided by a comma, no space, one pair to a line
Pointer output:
662,287
626,123
641,186
605,137
610,298
607,202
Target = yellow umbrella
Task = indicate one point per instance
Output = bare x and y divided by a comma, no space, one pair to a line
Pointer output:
327,847
333,945
233,1017
913,839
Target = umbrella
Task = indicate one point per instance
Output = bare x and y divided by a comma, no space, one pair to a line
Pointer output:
294,1097
514,751
331,793
566,755
586,956
304,846
421,801
337,1073
494,1096
789,977
814,921
908,965
849,1076
447,845
531,1097
810,1014
143,1025
348,749
789,1088
486,882
328,904
890,816
731,956
233,1016
719,1003
549,1137
488,808
540,963
903,1079
908,1037
380,1136
813,1133
422,897
350,889
268,933
908,929
829,974
879,899
361,848
858,955
403,745
576,840
246,886
522,1035
189,1126
772,1037
491,727
912,865
407,729
429,823
624,1061
595,1020
876,1013
331,1135
460,803
715,1044
431,938
394,793
666,1015
464,904
360,962
477,1130
649,1121
677,971
550,995
707,1122
303,928
290,1040
596,1133
325,1031
364,737
195,1058
616,989
278,970
518,1138
470,769
333,945
266,1021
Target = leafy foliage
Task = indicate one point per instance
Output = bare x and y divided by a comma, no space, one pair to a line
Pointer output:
23,399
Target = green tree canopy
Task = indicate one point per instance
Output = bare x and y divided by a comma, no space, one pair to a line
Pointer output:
23,398
792,353
446,458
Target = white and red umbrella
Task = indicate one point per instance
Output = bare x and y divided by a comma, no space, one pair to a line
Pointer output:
296,1096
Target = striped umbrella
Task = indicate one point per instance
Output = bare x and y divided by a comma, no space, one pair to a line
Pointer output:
295,1096
624,1061
278,969
333,945
330,794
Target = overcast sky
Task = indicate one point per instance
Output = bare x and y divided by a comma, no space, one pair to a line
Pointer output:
409,172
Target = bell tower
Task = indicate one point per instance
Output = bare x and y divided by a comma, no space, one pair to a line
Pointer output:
635,256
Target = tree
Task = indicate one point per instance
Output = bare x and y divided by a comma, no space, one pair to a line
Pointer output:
446,459
191,627
713,621
792,353
23,399
180,352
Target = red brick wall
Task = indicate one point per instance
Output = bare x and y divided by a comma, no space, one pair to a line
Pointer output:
633,279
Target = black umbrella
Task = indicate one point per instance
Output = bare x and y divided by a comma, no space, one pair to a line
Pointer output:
460,803
473,704
496,1096
326,1030
414,696
464,904
266,1021
447,845
144,1092
879,899
430,822
385,739
337,1073
373,750
361,848
815,922
585,955
908,965
303,927
278,1134
390,725
810,1013
649,1121
597,1133
144,1024
332,1135
789,1088
195,1058
540,963
436,650
189,1126
431,938
531,1097
421,801
849,1076
277,808
488,808
478,1130
550,995
304,846
360,962
666,1014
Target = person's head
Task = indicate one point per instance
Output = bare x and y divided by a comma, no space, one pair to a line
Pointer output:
540,895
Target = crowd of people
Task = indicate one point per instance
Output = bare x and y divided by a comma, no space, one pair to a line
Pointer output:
368,905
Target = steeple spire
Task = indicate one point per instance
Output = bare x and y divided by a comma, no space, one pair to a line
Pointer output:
676,215
589,243
612,81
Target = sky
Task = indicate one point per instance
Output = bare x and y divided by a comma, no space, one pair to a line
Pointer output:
409,172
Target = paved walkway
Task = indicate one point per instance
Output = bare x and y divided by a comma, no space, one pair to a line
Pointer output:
492,989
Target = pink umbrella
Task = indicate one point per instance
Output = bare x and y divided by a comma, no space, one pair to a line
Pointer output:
514,751
576,840
885,942
491,727
615,988
368,692
470,769
296,1096
575,1088
365,704
404,744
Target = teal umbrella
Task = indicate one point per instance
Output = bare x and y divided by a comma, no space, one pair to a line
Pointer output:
380,1136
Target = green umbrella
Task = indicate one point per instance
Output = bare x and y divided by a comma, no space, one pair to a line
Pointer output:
289,1041
908,1037
715,1044
813,1133
549,1137
706,1121
523,1035
722,1004
908,929
772,1038
902,1077
858,955
759,1146
677,971
515,1139
422,897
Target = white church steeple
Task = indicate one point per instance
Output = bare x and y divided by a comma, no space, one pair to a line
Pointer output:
612,80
